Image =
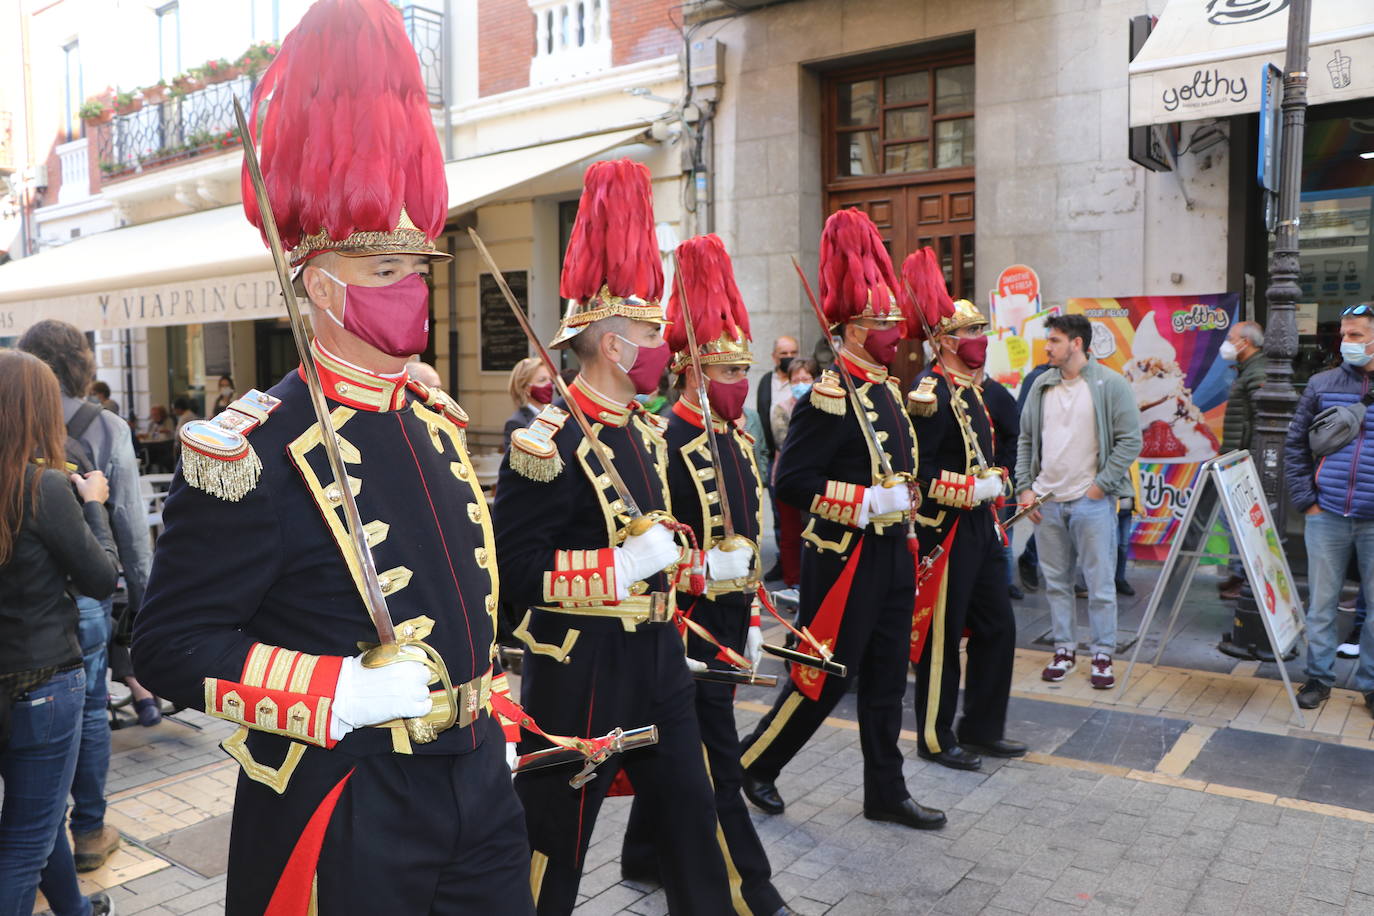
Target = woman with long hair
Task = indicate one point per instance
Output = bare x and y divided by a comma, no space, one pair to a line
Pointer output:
53,532
531,387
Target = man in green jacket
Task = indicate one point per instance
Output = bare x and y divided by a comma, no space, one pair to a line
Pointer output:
1244,346
1080,432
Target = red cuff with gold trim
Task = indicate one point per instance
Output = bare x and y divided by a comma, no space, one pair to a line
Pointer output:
281,692
509,727
954,490
840,502
581,577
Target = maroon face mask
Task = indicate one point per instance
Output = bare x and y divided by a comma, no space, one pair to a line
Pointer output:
393,318
973,351
881,344
648,366
727,398
542,394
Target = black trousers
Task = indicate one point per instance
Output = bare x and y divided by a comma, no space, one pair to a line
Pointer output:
630,679
874,642
975,599
746,863
410,834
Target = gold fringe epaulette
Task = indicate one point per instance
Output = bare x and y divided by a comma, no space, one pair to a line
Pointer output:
533,452
215,454
440,400
828,394
922,402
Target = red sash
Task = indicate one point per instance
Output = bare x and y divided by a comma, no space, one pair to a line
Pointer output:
825,626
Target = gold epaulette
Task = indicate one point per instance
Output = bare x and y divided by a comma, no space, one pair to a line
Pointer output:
533,453
922,402
828,394
440,400
215,454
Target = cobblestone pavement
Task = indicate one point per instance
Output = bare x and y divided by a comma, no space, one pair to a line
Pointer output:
1115,811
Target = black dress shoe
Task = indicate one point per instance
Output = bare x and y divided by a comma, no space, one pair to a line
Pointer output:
1002,747
909,814
956,758
1014,593
1125,588
763,794
1313,694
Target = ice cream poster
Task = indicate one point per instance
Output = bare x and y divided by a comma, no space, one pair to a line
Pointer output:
1167,348
1017,341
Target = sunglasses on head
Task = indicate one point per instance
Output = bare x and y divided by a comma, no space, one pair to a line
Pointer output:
1361,309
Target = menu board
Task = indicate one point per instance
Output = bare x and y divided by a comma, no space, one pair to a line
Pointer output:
502,342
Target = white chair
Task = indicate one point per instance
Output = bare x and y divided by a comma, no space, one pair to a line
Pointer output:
153,488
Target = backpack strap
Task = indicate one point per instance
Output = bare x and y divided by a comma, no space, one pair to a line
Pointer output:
83,418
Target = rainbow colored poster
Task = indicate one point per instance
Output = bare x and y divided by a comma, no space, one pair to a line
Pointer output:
1166,347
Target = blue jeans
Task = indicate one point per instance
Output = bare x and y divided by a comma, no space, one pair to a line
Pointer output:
1330,538
1124,523
1080,535
37,767
93,760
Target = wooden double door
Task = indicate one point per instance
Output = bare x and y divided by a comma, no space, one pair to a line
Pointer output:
913,216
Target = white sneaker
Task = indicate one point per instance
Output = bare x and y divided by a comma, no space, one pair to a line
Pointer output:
1348,650
1102,677
1059,666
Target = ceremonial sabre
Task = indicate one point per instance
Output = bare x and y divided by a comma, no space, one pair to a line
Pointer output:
388,650
617,742
1027,509
639,521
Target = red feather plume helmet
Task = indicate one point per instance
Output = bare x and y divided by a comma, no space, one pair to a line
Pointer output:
857,279
925,290
719,317
612,264
349,153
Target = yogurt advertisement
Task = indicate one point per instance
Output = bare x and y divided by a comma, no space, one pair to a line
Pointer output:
1167,348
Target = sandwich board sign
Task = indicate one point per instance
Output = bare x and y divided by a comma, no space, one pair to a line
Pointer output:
1230,484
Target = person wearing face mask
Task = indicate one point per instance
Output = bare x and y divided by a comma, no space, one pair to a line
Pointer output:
967,587
225,395
1336,496
858,583
802,375
1243,348
266,630
726,609
531,389
598,655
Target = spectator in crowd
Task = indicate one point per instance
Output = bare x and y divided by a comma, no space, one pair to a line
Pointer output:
1080,433
1244,347
184,411
159,427
1337,497
224,396
531,387
103,443
100,392
1029,562
425,374
774,386
801,374
50,540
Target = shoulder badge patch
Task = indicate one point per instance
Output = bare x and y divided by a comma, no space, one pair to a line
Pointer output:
533,453
215,454
442,401
922,402
828,394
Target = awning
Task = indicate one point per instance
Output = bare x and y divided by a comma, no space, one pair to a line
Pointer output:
473,182
1205,58
212,265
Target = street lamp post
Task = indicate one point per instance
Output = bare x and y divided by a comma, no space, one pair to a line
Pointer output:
1276,401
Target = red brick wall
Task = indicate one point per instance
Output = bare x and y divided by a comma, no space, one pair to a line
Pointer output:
642,30
505,47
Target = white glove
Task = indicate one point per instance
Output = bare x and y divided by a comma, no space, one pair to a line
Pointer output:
695,666
641,556
986,488
884,501
727,564
368,696
511,756
753,646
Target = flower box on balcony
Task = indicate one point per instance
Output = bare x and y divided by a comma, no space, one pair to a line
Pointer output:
153,95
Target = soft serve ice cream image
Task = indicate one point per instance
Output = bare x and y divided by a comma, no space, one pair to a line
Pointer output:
1173,427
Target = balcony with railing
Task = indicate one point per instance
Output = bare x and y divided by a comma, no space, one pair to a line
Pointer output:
180,127
572,38
75,160
425,28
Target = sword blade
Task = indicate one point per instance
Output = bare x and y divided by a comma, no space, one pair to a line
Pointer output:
372,590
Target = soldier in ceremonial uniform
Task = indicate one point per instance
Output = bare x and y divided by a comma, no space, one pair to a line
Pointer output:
601,649
726,610
337,809
965,587
858,571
